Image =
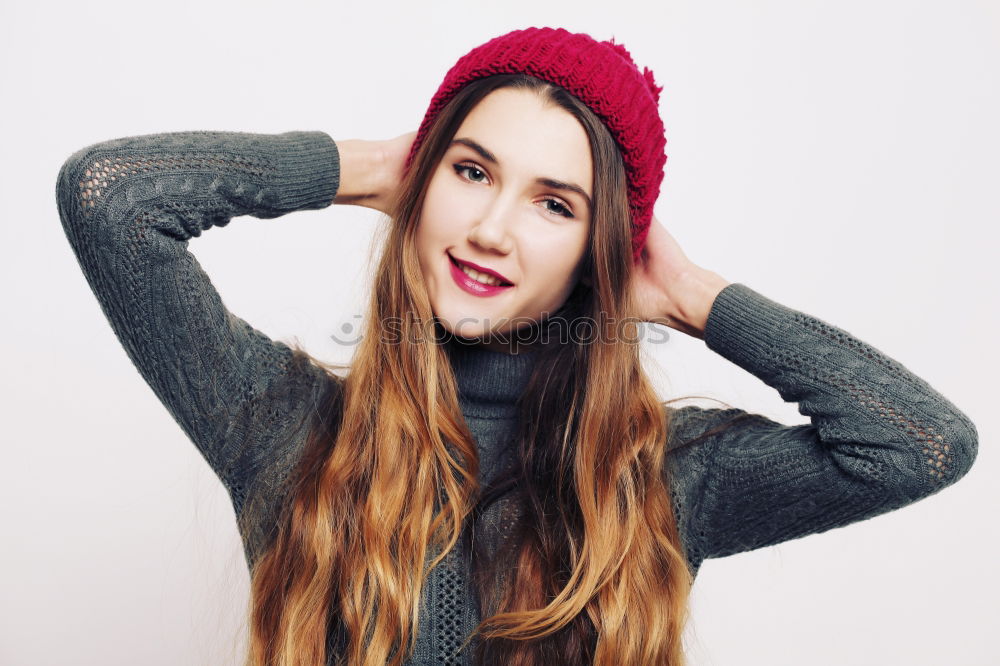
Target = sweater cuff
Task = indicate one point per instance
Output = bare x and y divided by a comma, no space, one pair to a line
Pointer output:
745,327
308,170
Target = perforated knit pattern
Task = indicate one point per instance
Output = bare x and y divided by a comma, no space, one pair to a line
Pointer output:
937,450
451,601
879,437
106,172
898,417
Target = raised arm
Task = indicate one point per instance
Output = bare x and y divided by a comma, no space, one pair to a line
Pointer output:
129,207
880,437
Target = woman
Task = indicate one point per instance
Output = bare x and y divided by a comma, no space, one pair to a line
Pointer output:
495,480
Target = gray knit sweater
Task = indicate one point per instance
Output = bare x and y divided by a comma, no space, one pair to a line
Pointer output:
880,437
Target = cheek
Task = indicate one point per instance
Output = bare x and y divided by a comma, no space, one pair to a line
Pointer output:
428,223
436,215
558,263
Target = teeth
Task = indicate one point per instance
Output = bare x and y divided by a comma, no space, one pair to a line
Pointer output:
481,277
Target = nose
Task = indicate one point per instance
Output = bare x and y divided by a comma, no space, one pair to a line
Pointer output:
491,232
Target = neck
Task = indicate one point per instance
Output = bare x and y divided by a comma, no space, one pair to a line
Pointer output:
489,381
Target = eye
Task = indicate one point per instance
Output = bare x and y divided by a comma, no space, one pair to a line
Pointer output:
560,208
470,170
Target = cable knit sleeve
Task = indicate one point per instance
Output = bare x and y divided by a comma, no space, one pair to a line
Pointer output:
128,207
879,438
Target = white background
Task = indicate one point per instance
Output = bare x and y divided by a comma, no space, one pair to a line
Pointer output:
839,157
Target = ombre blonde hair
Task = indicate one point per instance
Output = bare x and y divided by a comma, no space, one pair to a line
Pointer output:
389,473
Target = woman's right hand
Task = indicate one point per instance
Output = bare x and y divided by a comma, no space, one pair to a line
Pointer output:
370,171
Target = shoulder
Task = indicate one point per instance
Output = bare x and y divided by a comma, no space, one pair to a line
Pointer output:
693,424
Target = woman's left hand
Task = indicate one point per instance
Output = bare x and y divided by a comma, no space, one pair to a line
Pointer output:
669,289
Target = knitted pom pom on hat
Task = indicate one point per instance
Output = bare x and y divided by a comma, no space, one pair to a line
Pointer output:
600,74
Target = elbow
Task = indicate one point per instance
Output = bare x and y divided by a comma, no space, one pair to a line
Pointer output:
69,189
967,448
66,197
70,169
941,454
73,179
63,192
951,451
82,187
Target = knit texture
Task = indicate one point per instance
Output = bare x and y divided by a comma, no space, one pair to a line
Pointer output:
603,76
879,437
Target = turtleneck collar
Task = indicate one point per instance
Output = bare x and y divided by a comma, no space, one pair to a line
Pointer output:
489,382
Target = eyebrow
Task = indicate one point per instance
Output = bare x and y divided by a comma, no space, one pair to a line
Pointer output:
548,182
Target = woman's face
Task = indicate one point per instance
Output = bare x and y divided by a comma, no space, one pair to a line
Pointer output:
512,195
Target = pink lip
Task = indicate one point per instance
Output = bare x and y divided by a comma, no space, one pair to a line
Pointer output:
472,286
480,268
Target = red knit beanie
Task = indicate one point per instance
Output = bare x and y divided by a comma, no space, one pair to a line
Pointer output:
600,74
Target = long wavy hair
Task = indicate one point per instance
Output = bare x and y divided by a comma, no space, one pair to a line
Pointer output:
592,570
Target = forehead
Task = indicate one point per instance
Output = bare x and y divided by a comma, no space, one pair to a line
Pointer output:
531,136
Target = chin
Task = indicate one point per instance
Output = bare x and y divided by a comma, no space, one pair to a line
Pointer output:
465,330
